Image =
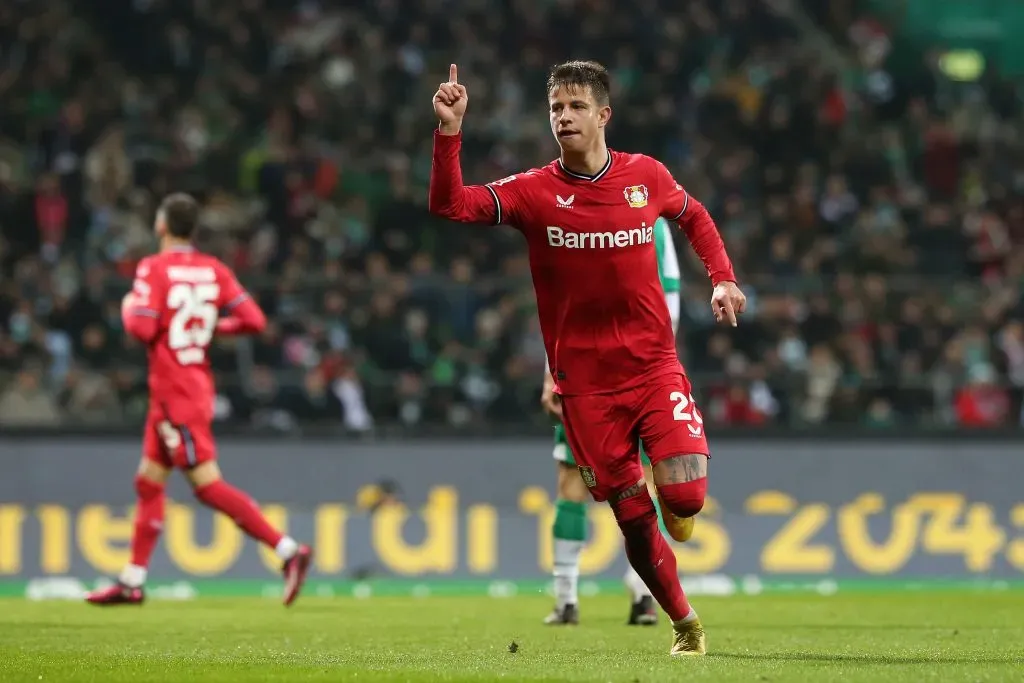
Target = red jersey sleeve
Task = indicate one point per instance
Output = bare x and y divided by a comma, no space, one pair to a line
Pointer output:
499,202
141,317
240,314
510,198
698,226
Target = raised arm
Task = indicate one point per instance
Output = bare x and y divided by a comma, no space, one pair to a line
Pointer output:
449,198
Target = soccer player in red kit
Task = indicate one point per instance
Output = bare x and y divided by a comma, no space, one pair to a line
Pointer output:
175,308
588,218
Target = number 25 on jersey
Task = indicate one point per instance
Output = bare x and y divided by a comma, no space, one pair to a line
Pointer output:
692,418
194,320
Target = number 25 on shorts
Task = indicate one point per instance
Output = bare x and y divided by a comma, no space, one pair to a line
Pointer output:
681,414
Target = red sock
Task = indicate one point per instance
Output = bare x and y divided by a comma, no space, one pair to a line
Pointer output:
650,555
149,520
237,505
685,498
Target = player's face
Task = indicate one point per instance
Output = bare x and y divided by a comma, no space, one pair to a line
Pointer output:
577,119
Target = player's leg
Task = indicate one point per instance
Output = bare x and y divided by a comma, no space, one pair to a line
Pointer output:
150,480
601,432
672,431
191,448
648,551
568,532
681,484
211,489
642,610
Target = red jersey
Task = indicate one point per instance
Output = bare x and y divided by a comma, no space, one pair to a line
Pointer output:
591,240
178,298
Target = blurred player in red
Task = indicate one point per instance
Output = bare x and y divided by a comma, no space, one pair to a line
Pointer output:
179,300
588,218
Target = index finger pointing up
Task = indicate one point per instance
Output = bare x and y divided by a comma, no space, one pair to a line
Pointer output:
453,74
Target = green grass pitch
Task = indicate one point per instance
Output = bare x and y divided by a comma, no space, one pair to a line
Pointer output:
849,638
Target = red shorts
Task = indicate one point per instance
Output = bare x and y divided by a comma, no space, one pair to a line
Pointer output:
178,444
604,431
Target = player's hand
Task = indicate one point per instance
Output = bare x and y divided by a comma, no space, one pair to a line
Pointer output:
727,302
552,404
450,102
126,302
549,400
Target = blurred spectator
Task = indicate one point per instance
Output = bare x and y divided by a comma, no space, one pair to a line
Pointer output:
89,398
26,403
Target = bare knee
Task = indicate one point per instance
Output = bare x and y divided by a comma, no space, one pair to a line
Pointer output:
682,483
203,474
570,484
152,472
680,468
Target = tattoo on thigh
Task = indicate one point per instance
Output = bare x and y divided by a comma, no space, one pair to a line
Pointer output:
681,468
630,491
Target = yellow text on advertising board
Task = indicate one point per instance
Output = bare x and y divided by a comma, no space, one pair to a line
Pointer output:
801,538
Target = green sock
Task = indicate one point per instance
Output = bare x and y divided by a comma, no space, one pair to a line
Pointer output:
570,520
570,530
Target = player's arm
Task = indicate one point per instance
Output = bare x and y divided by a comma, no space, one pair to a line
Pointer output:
245,317
700,229
698,226
140,308
449,197
240,314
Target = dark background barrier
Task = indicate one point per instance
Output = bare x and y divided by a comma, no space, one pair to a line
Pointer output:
472,508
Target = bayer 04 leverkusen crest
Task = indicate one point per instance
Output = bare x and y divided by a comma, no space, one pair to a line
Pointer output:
636,195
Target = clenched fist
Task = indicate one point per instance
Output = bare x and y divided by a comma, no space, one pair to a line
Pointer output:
450,102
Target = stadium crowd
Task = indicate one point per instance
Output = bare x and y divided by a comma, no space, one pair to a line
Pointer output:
877,223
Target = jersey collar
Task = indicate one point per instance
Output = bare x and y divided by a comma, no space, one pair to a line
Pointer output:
589,178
